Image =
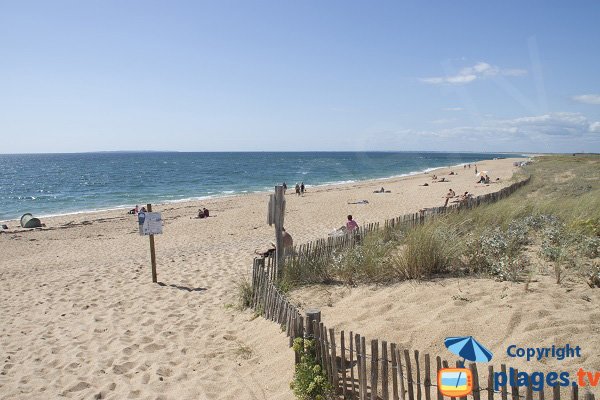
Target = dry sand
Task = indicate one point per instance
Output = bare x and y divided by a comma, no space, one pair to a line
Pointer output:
80,317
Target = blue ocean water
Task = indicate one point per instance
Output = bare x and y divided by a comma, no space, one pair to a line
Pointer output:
49,184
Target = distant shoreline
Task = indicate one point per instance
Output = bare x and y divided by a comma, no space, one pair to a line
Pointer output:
190,200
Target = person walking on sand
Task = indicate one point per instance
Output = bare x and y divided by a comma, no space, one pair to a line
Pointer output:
475,169
284,187
297,189
302,188
351,225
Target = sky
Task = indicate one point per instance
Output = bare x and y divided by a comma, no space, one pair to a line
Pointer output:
79,76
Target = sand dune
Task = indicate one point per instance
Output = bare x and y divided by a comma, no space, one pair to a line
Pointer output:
81,318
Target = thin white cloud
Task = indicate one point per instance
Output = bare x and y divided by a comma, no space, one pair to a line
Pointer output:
443,121
470,74
551,132
587,98
453,109
560,124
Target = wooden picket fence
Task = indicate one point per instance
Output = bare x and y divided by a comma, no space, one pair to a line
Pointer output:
386,372
270,302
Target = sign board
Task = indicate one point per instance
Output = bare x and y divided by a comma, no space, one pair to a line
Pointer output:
150,223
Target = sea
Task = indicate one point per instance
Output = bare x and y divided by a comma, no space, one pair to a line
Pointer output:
58,184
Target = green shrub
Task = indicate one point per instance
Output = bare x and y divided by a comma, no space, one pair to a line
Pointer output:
310,381
589,246
302,271
426,250
368,261
245,293
509,268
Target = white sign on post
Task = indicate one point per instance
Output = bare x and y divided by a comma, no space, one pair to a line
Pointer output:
150,223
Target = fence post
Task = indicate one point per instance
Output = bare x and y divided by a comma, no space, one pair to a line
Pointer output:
476,393
374,368
312,314
334,370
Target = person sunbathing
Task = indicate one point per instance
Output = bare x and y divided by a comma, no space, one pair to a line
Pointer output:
449,195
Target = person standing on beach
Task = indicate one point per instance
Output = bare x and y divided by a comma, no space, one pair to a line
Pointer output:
475,169
302,188
297,189
284,187
351,225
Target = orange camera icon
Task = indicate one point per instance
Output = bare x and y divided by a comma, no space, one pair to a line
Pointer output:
455,382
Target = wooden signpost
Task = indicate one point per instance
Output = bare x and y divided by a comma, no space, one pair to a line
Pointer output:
275,216
151,224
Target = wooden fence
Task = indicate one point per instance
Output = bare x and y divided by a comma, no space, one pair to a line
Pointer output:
270,302
387,371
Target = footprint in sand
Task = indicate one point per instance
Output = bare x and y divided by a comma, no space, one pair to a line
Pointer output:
122,368
163,371
78,387
131,349
151,348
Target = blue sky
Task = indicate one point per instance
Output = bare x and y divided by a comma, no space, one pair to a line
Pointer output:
299,75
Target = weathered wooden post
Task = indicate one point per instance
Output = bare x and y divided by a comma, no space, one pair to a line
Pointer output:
152,251
312,314
275,217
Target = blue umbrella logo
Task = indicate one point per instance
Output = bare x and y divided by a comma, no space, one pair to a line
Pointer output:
469,349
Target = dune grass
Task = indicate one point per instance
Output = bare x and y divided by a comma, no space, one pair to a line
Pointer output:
555,219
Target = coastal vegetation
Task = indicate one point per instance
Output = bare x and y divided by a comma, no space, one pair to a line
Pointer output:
310,381
550,225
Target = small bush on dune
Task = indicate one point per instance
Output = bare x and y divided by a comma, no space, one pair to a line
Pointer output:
304,271
426,250
509,268
589,246
310,381
245,292
368,261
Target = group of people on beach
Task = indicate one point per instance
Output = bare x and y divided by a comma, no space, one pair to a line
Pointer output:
203,213
459,199
136,210
484,179
299,188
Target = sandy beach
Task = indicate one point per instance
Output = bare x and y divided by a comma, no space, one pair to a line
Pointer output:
81,318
